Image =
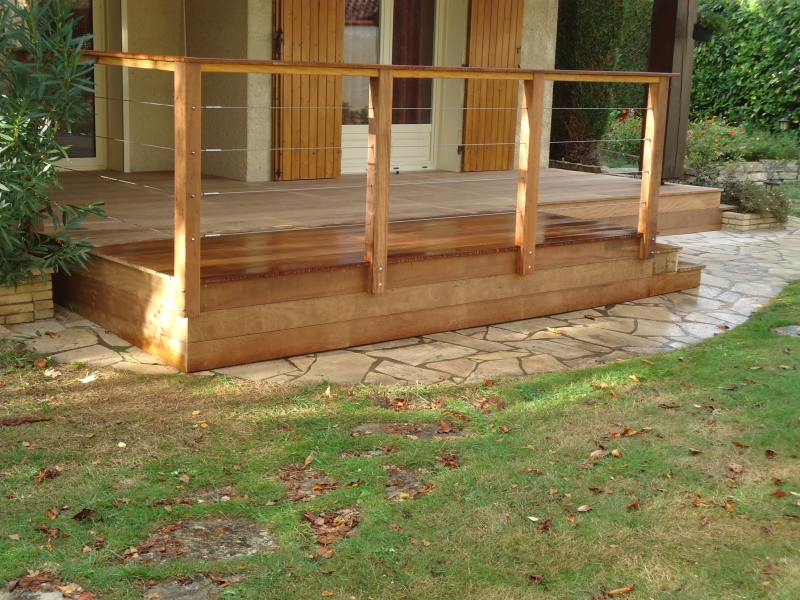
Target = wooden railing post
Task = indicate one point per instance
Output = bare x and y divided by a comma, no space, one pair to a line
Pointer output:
652,164
530,152
187,187
378,174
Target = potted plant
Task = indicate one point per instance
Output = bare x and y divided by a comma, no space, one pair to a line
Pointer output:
708,23
42,81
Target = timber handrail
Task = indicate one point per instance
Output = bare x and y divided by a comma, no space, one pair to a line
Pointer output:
278,67
187,82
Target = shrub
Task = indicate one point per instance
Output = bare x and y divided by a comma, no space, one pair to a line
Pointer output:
624,133
750,197
752,74
607,35
41,81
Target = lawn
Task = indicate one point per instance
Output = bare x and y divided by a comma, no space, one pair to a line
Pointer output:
792,189
673,474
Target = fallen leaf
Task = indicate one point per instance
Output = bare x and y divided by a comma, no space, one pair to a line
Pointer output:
786,368
736,467
85,513
328,394
669,406
49,473
613,394
444,426
309,459
704,521
52,373
89,378
647,362
624,590
426,543
585,508
770,453
723,327
695,451
52,334
571,517
543,526
538,579
40,363
354,484
14,536
729,507
122,445
599,454
777,481
21,421
195,413
779,493
555,330
327,594
184,478
634,504
52,512
634,378
616,453
740,445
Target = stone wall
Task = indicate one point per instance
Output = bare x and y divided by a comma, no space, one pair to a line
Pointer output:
782,170
30,301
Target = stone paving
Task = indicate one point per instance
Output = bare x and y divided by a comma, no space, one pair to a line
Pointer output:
744,270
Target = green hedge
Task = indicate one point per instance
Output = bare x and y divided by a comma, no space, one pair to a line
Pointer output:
607,35
751,75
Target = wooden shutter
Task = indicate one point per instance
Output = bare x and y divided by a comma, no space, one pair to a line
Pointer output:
495,38
307,120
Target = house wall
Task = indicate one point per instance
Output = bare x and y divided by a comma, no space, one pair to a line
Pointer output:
154,27
242,30
538,51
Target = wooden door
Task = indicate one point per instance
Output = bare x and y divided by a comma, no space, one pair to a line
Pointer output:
307,116
490,116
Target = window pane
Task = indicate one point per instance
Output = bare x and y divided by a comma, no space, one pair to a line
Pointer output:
361,45
82,141
412,44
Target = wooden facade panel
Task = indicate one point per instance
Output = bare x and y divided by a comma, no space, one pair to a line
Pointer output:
307,120
490,116
266,346
317,311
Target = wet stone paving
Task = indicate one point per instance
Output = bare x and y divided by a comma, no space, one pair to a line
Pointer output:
743,271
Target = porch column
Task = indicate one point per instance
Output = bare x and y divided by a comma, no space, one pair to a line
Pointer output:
530,151
378,173
187,187
652,163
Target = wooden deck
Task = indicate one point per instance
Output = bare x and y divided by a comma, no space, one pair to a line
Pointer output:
139,213
283,272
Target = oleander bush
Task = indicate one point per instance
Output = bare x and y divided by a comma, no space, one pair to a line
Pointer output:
42,79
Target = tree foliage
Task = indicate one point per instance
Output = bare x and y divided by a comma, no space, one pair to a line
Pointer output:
598,35
752,74
42,79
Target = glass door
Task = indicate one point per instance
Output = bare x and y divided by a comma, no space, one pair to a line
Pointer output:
87,143
399,32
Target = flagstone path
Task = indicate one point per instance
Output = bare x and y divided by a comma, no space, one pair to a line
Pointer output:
744,270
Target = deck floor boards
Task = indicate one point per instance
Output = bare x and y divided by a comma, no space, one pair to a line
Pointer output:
139,213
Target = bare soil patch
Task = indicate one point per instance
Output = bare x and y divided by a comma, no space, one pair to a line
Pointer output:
333,526
385,451
410,430
402,484
209,538
195,587
43,586
303,484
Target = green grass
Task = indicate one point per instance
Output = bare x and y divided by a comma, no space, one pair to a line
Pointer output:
482,543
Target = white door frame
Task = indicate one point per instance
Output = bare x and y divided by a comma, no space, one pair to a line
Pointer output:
100,159
413,146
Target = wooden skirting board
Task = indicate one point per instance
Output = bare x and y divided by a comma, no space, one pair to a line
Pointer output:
250,319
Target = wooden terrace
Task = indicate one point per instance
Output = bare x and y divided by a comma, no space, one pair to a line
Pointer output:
207,272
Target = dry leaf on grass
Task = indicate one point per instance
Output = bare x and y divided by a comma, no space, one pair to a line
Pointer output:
599,454
695,451
49,473
585,508
736,467
770,453
620,591
740,445
635,504
779,493
545,525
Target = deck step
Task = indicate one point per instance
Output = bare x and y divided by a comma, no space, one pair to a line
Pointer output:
685,277
727,207
666,260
